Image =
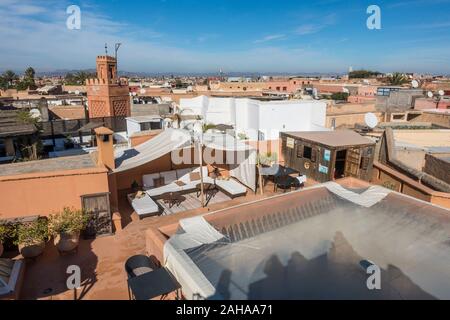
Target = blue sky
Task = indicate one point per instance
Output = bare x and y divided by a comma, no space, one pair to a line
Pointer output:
234,35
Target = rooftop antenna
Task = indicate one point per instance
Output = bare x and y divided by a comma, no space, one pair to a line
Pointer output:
116,48
106,48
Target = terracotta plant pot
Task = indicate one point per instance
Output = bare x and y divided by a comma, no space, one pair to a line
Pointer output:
1,249
32,251
66,242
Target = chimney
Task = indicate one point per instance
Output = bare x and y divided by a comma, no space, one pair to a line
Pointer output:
105,145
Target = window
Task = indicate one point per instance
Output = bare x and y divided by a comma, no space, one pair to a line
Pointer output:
146,126
364,165
307,152
278,88
261,136
284,88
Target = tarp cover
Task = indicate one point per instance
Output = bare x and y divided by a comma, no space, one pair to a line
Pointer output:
240,157
243,156
166,142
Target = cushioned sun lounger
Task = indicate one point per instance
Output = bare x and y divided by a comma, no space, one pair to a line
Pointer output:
145,206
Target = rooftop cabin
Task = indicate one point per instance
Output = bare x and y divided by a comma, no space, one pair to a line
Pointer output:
327,156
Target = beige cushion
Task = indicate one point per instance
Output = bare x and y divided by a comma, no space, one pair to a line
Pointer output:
143,270
180,183
195,176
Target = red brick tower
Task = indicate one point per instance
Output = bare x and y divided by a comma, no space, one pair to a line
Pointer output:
107,95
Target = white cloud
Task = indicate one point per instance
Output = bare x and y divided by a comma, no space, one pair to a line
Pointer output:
308,29
311,28
271,38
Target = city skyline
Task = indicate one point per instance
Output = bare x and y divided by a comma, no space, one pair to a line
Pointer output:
168,36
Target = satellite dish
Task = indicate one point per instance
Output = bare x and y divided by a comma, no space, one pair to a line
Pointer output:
345,90
441,93
35,113
415,84
77,92
430,94
134,94
371,120
142,91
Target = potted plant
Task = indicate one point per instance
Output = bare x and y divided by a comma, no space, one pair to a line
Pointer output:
66,226
135,186
3,233
31,238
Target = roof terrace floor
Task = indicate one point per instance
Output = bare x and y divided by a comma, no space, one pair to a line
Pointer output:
102,260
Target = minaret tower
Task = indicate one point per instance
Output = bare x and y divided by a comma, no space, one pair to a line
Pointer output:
108,96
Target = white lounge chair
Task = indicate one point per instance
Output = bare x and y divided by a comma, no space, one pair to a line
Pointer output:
188,187
145,206
11,278
231,188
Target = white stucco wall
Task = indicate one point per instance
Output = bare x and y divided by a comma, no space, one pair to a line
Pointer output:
252,116
132,127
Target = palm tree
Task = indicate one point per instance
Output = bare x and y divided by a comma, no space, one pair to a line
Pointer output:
29,74
9,77
397,79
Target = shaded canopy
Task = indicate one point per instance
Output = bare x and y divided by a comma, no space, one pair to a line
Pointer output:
242,168
166,142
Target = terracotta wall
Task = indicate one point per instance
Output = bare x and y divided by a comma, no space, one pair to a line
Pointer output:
349,120
264,147
43,194
142,137
387,177
438,167
441,119
413,158
123,180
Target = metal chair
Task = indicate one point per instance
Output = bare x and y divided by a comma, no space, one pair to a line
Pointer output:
138,265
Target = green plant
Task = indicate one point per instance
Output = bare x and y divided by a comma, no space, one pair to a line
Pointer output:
242,136
69,220
209,126
3,233
31,233
135,185
361,74
340,96
397,79
267,159
390,185
8,233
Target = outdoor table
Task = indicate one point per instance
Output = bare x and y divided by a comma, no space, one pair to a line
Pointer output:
173,199
158,283
210,190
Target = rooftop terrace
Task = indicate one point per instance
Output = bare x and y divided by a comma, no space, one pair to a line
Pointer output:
48,165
